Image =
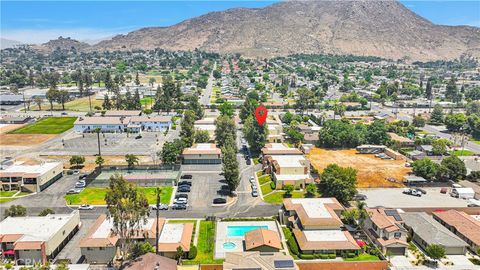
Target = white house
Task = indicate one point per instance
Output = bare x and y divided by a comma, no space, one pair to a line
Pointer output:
463,193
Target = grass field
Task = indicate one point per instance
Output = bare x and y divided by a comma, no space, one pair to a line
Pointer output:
363,257
264,179
371,171
278,196
79,104
205,246
7,193
49,125
461,153
96,196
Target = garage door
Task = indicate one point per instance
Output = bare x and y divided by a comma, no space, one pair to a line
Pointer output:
397,250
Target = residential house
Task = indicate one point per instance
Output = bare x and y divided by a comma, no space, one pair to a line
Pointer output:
275,129
426,231
400,140
317,226
202,153
37,239
262,240
33,178
461,224
123,113
150,261
258,261
206,124
384,227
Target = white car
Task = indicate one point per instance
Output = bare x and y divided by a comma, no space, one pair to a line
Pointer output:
74,191
180,201
86,207
80,184
252,179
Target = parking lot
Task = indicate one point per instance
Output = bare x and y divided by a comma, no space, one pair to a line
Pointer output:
205,187
393,197
111,143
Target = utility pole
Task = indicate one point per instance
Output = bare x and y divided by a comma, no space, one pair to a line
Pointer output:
156,229
24,104
97,130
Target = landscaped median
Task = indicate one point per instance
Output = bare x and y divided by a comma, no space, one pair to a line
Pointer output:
96,196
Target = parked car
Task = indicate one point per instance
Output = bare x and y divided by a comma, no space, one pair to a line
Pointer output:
421,190
360,197
186,176
183,189
138,137
249,162
181,195
444,190
83,176
80,184
76,171
185,183
86,207
413,192
74,190
179,207
254,193
69,172
219,201
64,113
160,207
252,180
180,201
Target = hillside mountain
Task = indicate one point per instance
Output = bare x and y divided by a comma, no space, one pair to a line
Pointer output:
381,28
62,44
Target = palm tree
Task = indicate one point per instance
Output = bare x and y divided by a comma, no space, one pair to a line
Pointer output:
131,160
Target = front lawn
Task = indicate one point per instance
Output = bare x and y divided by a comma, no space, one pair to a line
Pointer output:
205,245
266,188
256,160
49,125
278,196
264,179
7,193
461,153
363,257
96,196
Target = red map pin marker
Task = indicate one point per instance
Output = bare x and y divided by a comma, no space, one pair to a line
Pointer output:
261,114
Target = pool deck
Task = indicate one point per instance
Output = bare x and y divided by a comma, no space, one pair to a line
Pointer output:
222,236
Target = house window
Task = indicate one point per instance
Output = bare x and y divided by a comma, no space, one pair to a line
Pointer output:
397,235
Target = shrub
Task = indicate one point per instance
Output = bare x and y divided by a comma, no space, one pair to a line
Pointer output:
272,185
292,244
351,255
323,256
332,256
192,253
306,256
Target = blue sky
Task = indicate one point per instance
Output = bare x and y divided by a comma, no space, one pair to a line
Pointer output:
40,21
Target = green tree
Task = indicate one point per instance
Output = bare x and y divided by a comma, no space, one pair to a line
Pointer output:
338,109
435,251
474,125
418,121
342,133
226,108
425,168
127,209
46,211
15,211
140,248
436,117
440,146
339,182
131,160
224,127
137,79
311,189
77,161
428,90
455,122
230,168
152,81
202,136
106,105
195,106
188,131
305,99
136,103
377,133
179,253
192,253
288,190
451,91
51,96
171,151
452,168
62,96
99,161
294,135
255,134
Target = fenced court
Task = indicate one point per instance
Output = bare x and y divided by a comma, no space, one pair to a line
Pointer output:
145,177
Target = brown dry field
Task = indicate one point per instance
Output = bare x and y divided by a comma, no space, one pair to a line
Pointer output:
10,127
371,171
109,160
24,139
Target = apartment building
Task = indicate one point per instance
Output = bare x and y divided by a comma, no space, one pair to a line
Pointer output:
384,227
317,226
32,178
202,153
147,123
32,239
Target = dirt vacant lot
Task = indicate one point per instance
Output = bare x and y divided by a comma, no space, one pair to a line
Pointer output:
371,171
24,139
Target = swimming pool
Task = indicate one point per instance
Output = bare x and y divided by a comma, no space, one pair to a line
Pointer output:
241,230
229,245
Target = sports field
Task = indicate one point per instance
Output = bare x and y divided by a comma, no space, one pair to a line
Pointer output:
371,171
49,125
79,104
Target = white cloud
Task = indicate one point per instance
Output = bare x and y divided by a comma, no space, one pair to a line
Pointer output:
37,36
